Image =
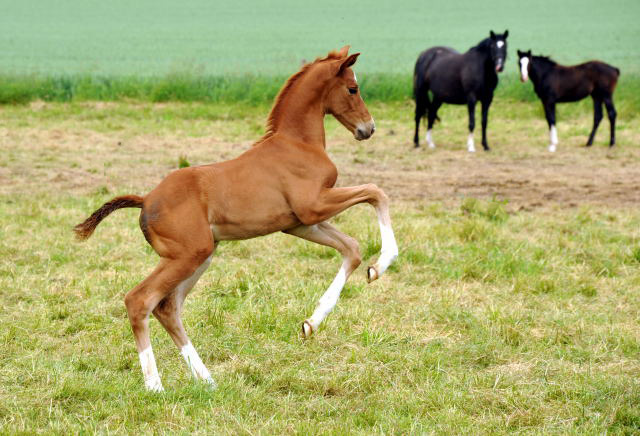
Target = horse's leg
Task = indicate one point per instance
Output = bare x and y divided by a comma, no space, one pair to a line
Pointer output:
485,119
471,105
611,112
325,234
142,299
332,201
597,117
550,112
422,104
168,313
432,116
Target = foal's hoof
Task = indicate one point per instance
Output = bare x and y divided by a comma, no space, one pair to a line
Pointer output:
307,329
372,274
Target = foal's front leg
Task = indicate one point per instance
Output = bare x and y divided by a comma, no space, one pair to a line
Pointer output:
332,201
325,234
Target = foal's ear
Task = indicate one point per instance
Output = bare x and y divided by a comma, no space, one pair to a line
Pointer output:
348,62
344,51
520,53
506,33
492,35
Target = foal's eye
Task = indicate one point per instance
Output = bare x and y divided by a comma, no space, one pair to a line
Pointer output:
353,91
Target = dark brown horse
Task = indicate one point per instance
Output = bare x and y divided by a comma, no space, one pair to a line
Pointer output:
556,83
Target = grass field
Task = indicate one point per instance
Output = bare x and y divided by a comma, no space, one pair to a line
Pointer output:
499,317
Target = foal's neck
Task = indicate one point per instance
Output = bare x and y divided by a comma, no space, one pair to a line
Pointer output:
299,112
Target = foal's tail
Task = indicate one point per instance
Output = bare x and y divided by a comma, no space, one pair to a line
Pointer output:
86,228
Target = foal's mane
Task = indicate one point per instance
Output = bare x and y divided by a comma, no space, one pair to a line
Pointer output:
286,89
544,59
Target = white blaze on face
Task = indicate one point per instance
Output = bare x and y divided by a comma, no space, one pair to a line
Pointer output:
354,77
524,68
500,44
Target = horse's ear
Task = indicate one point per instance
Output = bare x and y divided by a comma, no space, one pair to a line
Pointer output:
344,51
506,33
492,35
348,62
529,53
520,54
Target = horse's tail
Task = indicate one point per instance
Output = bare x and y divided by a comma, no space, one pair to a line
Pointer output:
420,70
86,228
420,80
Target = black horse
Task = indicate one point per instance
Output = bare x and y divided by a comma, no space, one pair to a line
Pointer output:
458,79
556,83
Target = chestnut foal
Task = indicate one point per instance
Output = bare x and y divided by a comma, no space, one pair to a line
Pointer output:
285,182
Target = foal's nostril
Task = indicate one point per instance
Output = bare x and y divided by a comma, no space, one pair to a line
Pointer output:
373,129
361,133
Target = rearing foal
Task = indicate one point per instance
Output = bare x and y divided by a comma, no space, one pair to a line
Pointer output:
283,183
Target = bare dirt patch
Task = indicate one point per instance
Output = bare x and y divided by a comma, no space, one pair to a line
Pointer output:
77,159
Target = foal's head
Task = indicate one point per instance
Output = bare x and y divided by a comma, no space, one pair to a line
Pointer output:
498,48
524,63
342,97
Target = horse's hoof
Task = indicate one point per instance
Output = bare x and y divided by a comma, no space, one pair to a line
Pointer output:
372,274
552,148
307,329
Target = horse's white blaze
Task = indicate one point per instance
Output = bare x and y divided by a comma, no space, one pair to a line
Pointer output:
195,363
524,69
354,77
471,146
329,298
500,44
430,140
150,370
553,138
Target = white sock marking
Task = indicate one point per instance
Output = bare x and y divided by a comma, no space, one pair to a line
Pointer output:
430,140
524,69
329,298
553,138
471,146
198,369
150,370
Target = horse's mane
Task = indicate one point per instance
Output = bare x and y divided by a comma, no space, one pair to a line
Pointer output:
482,45
544,59
286,88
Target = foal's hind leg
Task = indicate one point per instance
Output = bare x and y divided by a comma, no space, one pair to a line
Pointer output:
597,117
325,234
611,112
168,313
142,299
421,106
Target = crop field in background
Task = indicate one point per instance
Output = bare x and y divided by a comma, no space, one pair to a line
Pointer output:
228,52
512,308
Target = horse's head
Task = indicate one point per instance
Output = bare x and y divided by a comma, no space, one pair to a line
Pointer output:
498,49
342,97
524,63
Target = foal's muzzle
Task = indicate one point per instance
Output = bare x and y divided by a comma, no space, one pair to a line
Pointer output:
365,130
